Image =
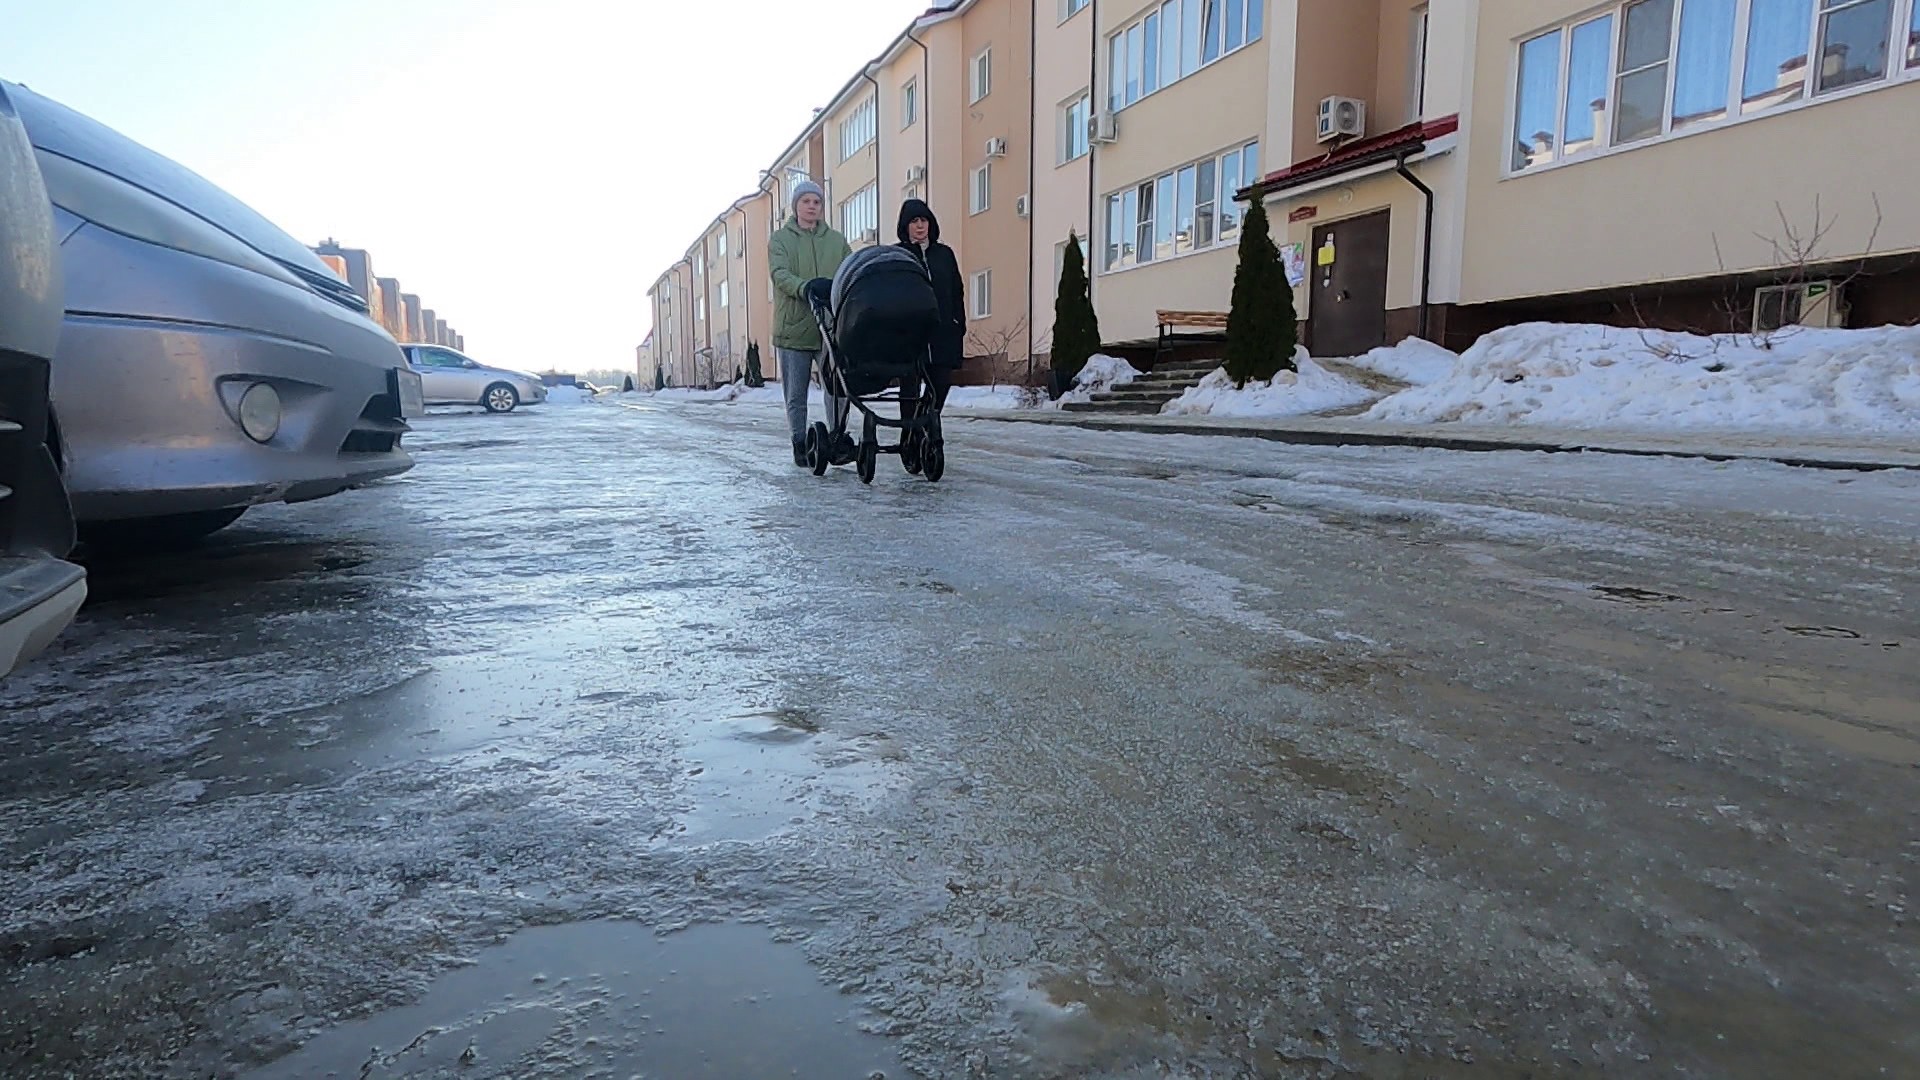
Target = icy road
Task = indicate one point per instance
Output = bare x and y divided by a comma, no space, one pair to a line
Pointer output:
607,743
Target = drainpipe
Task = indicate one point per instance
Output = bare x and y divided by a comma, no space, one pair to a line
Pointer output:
879,130
1426,243
1033,154
1093,148
924,120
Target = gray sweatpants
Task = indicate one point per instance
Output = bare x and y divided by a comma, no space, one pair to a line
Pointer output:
796,376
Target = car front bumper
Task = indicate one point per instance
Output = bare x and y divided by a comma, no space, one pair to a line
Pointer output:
147,397
39,596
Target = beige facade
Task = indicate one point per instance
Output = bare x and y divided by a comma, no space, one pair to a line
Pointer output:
850,134
1181,125
1063,91
1683,205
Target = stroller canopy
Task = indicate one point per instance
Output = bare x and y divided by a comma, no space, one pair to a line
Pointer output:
884,315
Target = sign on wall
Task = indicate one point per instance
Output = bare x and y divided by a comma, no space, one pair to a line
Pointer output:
1295,258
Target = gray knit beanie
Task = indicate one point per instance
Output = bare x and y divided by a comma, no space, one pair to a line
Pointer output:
805,187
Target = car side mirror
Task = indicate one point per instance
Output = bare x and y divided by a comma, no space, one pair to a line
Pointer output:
469,364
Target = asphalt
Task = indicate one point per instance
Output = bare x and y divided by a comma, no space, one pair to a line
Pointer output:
606,742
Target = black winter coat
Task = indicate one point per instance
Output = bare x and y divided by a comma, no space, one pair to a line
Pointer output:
944,269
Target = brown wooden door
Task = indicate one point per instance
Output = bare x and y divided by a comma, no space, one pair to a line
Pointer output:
1348,315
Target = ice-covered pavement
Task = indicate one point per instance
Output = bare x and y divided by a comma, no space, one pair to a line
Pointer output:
1111,755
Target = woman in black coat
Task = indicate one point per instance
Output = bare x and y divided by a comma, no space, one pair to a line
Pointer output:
920,234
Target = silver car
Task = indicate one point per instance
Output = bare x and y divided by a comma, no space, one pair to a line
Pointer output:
39,590
449,378
209,362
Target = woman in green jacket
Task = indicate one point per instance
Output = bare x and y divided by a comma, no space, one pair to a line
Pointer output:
803,249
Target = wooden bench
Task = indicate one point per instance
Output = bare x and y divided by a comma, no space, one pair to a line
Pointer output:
1171,321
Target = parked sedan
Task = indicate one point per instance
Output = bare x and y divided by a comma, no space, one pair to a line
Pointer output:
448,377
209,362
39,590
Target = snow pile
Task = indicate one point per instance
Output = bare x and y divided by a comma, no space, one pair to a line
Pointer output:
568,395
1415,361
994,398
1101,373
1311,389
1801,379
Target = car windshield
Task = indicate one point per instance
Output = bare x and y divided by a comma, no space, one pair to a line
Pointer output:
57,129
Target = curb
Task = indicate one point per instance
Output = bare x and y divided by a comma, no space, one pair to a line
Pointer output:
1468,443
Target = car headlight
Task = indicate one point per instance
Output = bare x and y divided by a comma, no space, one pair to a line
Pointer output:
111,203
259,412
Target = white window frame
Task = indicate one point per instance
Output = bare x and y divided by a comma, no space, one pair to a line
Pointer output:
980,295
723,295
859,130
910,103
1070,8
1898,72
1075,140
1101,264
980,76
980,190
861,212
1117,81
720,245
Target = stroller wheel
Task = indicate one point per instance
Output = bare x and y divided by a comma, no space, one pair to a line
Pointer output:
910,450
819,449
935,462
868,462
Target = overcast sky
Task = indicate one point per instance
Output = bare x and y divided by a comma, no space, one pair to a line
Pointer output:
527,168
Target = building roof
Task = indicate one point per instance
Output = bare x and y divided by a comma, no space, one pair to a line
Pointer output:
1373,150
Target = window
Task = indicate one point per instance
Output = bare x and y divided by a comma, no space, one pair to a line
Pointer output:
723,294
982,77
1171,42
982,298
981,195
700,308
720,243
857,131
1073,129
1185,210
1647,69
1070,8
910,103
860,215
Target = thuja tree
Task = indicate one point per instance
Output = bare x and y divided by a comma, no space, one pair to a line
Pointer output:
756,376
1262,326
1076,329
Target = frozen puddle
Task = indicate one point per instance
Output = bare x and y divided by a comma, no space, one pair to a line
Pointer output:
756,774
611,999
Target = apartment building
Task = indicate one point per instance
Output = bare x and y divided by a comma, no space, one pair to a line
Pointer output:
1064,81
1655,161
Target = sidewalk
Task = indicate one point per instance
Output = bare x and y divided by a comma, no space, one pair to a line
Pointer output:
1863,453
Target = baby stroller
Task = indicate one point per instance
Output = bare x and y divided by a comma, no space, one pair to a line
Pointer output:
877,318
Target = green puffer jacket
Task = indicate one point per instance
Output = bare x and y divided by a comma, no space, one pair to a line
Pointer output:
794,257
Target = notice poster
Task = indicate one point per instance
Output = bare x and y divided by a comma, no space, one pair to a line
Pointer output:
1294,256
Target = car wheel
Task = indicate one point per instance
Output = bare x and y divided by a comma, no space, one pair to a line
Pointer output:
167,533
501,398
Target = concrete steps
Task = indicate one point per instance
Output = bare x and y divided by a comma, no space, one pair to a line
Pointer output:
1149,393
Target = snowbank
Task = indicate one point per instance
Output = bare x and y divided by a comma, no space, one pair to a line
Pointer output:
568,395
993,398
1101,373
1415,361
1802,380
1311,389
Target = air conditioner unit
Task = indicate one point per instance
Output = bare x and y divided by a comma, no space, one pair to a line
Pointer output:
1023,206
868,236
1103,128
1342,118
916,173
996,148
1808,303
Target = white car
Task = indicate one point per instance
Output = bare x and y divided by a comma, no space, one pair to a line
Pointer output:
450,378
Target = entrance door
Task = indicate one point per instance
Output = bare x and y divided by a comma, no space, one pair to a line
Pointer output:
1348,267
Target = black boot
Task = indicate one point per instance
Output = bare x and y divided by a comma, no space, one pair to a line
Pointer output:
800,452
843,450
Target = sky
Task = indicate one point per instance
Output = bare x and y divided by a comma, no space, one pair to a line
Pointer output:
529,167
